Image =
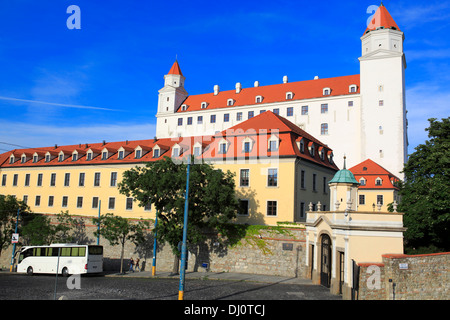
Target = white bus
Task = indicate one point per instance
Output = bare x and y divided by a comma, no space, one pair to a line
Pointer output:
73,259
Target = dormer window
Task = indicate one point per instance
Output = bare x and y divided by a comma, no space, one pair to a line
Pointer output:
74,157
104,155
273,143
362,182
258,99
289,95
312,149
35,158
301,146
378,182
326,91
230,102
176,152
89,156
352,88
11,159
137,154
184,107
223,146
120,155
61,157
204,105
156,153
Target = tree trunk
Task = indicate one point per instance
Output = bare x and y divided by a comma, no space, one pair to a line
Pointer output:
121,257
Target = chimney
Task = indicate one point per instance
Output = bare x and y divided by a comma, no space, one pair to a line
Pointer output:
238,87
285,79
104,142
216,90
256,84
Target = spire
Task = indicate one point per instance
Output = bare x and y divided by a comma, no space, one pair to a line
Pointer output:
175,69
382,19
344,161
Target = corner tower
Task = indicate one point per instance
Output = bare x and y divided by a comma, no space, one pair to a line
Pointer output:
383,108
171,96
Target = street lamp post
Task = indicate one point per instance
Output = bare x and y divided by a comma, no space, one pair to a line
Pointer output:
14,245
185,223
155,243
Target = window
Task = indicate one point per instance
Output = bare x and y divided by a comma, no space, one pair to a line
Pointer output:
89,156
326,91
61,157
39,180
94,202
314,182
97,179
304,110
155,153
226,117
37,201
104,155
362,182
239,116
350,103
176,152
289,95
3,180
251,114
271,208
121,153
378,182
213,118
47,158
129,204
302,210
25,199
66,179
258,99
113,179
272,178
27,180
302,146
247,146
245,178
276,111
204,105
65,199
352,88
50,201
189,121
111,203
324,129
290,111
243,207
79,202
199,119
148,207
230,102
362,199
183,107
324,108
262,111
81,179
53,180
197,151
35,159
273,145
379,199
74,157
222,148
15,178
138,154
381,103
180,121
325,185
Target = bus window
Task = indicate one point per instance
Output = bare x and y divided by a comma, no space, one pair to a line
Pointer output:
82,251
65,252
95,250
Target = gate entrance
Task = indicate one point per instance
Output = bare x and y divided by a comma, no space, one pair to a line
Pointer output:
325,261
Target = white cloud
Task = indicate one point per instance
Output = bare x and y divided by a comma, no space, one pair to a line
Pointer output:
34,136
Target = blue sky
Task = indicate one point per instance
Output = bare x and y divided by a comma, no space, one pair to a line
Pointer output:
101,82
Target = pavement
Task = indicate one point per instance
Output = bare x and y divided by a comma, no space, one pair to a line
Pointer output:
231,276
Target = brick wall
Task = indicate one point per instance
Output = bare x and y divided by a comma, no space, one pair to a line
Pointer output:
405,277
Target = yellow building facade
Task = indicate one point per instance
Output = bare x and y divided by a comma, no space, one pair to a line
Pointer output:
277,171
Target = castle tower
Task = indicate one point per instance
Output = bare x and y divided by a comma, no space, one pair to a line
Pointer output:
171,96
383,109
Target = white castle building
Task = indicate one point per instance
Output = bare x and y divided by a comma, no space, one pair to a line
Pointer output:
362,116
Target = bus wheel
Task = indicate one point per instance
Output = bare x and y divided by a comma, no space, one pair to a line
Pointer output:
30,271
65,272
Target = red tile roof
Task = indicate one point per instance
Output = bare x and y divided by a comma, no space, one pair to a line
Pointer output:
175,69
382,18
274,93
258,129
370,171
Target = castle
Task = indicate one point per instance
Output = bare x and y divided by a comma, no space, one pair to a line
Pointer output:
361,116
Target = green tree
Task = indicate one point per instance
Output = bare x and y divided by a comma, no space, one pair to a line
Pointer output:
8,216
425,192
118,230
212,200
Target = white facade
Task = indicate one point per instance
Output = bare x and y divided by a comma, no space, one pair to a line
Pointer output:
364,117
